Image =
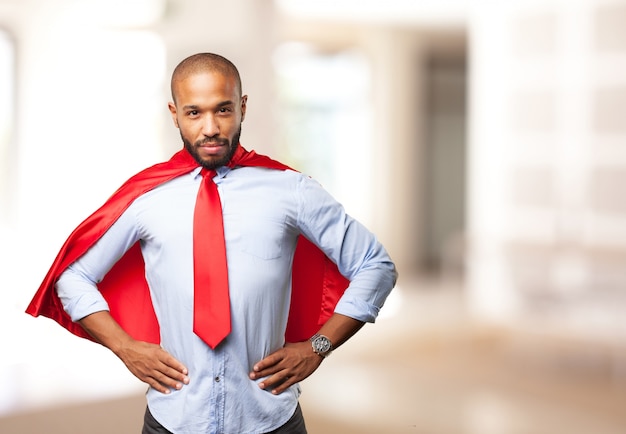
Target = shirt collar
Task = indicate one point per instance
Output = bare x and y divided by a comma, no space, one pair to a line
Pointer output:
221,171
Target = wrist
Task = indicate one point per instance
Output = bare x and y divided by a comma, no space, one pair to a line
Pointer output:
322,345
121,345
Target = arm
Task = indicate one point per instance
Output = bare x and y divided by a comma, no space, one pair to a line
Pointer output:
78,291
360,257
296,361
148,362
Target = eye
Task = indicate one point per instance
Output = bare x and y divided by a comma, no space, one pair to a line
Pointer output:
193,113
225,110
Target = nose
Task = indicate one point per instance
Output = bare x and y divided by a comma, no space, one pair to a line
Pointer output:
210,126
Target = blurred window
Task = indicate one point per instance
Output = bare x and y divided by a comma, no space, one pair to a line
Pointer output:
324,107
7,118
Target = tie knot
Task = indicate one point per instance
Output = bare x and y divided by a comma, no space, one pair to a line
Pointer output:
207,173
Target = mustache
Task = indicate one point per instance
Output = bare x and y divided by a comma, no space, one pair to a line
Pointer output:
212,140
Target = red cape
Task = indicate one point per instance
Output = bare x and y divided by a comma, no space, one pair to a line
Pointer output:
317,285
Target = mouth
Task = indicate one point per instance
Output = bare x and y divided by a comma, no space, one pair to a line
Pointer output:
212,147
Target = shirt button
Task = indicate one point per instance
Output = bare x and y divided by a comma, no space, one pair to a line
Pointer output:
217,379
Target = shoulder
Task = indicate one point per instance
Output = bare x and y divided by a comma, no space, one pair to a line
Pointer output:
259,173
271,183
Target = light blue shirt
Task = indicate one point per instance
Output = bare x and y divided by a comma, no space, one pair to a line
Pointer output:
264,212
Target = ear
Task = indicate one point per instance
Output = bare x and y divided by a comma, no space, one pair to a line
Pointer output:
173,112
244,101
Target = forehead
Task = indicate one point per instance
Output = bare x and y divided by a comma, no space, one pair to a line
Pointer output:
205,86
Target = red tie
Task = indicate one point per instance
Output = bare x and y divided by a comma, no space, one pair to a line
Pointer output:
211,304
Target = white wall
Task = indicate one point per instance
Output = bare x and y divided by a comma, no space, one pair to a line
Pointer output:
547,164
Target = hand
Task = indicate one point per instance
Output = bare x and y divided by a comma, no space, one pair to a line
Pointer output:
154,366
148,362
286,367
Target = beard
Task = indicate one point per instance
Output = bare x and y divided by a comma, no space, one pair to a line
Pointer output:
214,163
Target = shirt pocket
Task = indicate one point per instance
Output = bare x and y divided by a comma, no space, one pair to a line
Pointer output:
260,235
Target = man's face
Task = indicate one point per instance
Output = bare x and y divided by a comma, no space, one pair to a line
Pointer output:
208,112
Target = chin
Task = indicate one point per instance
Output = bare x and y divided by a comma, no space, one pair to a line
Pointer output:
214,161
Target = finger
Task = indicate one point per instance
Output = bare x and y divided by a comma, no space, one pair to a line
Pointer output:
174,375
172,368
268,366
166,381
173,363
157,386
275,380
290,381
255,375
269,361
154,379
163,377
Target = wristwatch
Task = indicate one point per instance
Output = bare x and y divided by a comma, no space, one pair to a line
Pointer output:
321,345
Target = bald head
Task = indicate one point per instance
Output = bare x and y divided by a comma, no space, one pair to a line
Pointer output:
202,63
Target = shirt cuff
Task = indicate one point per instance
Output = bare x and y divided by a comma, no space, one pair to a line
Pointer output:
80,305
357,308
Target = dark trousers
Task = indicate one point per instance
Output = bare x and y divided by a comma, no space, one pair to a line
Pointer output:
295,425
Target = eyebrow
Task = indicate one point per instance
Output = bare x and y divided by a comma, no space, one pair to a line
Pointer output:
196,107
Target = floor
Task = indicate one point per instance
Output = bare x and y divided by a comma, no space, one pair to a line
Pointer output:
422,368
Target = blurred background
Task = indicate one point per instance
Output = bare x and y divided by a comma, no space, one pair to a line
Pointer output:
484,142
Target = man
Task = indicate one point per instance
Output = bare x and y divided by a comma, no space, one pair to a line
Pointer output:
245,380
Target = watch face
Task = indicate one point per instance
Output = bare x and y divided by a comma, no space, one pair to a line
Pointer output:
321,344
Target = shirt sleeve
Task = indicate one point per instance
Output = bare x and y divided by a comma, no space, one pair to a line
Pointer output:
360,257
77,286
